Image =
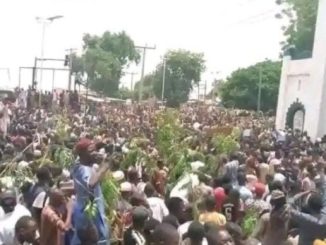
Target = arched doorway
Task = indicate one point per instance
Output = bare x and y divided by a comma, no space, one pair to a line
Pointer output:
295,116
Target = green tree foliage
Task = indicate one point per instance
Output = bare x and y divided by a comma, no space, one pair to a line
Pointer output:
77,65
104,59
147,90
217,84
300,32
183,70
125,93
241,89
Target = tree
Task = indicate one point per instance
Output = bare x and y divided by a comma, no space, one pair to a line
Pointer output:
183,69
147,90
104,59
125,93
299,34
215,92
241,89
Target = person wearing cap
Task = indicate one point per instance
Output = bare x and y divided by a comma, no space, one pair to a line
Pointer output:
87,187
135,234
276,227
13,212
124,205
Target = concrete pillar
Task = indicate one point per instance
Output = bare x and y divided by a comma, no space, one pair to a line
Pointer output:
318,81
281,110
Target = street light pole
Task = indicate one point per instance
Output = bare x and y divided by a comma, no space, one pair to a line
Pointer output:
144,48
163,81
44,23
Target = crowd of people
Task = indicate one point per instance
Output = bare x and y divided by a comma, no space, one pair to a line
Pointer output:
270,190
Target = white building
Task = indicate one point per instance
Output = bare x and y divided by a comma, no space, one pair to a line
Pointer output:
302,92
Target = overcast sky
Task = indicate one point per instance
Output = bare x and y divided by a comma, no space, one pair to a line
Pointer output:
231,33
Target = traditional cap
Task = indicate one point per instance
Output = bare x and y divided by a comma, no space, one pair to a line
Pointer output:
37,153
118,175
259,189
82,145
275,162
277,194
125,187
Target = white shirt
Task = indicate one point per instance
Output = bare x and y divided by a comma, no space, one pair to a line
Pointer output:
279,177
2,213
39,200
181,189
8,222
183,229
158,208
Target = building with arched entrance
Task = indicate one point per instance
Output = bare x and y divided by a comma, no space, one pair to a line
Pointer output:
302,92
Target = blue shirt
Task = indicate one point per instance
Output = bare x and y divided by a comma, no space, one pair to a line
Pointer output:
81,175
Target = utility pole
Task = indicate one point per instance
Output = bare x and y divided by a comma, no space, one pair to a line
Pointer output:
53,79
198,91
205,90
144,48
34,74
259,88
19,77
163,82
70,51
132,79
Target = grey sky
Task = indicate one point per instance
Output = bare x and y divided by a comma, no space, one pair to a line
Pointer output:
231,33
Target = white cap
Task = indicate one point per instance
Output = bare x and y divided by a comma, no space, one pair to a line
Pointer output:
125,187
95,167
118,175
22,164
196,125
102,151
37,153
65,173
275,162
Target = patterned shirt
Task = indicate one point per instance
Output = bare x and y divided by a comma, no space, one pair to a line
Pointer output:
257,205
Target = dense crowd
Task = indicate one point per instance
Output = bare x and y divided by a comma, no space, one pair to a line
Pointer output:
270,189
